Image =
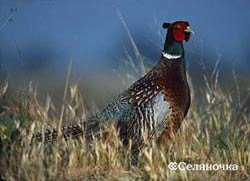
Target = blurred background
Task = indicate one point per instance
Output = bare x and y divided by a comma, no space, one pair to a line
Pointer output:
38,38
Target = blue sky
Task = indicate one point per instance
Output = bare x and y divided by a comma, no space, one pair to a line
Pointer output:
91,33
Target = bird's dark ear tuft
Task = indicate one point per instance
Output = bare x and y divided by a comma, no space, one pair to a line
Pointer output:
166,25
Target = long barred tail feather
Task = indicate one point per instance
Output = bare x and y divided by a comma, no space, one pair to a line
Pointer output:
72,131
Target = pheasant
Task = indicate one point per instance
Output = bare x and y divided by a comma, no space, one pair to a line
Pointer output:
154,106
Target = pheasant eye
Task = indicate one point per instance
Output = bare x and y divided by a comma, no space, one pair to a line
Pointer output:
177,27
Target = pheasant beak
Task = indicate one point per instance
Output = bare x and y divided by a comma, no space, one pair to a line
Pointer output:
189,30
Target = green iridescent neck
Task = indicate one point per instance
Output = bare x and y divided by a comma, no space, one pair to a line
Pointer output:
174,48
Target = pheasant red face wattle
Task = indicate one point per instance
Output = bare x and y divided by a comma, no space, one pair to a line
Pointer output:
181,31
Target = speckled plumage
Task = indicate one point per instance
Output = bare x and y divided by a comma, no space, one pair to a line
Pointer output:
145,110
153,107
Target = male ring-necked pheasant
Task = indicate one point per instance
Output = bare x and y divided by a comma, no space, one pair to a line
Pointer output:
155,105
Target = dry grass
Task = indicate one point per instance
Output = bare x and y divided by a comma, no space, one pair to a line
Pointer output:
217,130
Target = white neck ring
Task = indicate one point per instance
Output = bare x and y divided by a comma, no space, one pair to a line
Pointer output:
169,56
